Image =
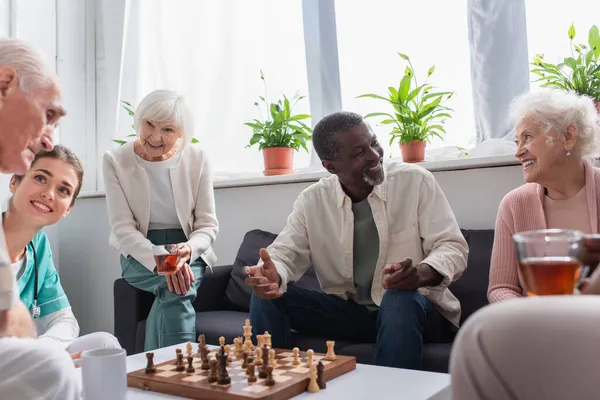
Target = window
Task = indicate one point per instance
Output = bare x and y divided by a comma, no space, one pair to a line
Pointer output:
547,27
370,35
212,53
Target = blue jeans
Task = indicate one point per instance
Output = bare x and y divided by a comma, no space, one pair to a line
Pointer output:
405,320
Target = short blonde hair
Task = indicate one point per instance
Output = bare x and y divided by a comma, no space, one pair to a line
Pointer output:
165,105
32,71
558,109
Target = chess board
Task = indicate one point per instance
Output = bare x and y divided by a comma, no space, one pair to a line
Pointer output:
290,380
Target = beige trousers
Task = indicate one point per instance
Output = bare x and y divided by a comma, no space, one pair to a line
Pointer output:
536,348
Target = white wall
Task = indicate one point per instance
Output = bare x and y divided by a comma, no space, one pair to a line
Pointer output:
89,267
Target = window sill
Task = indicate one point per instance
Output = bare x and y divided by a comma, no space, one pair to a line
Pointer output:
224,181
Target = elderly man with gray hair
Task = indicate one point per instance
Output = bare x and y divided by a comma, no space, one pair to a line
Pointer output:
30,108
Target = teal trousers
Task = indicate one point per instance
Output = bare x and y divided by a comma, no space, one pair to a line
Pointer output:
172,319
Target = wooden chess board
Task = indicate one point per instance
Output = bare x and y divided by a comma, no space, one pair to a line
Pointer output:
290,380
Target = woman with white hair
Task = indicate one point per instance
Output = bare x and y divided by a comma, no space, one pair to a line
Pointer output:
539,347
159,191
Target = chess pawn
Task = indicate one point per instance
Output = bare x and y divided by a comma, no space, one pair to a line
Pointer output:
251,373
228,351
212,375
270,381
245,358
296,360
258,356
330,356
313,386
190,368
309,356
150,367
272,359
180,367
249,360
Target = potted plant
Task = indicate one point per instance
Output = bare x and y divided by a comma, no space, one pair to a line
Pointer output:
579,72
130,110
280,134
418,113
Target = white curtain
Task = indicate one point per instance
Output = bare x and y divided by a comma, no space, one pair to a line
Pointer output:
212,53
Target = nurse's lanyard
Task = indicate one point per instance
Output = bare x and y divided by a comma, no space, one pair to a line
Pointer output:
35,310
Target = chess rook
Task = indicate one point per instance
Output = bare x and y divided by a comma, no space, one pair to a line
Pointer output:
330,356
150,367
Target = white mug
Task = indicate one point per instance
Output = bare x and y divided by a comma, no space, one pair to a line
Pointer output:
104,374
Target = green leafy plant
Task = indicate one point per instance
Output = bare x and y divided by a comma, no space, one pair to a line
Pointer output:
418,112
280,128
130,110
579,72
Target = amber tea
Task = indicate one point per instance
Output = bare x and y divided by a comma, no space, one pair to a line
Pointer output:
545,276
166,261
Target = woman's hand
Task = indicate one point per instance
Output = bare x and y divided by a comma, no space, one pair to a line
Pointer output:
181,280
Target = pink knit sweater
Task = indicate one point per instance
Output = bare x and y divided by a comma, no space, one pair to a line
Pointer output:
522,210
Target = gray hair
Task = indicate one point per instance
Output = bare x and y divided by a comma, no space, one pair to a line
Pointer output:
32,71
324,134
165,105
557,110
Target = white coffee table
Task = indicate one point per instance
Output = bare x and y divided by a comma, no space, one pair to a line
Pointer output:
366,382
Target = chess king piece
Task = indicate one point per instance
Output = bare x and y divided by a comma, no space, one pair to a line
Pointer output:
296,352
212,375
150,367
309,356
248,335
189,348
180,367
272,359
190,368
251,373
321,376
313,386
330,356
270,381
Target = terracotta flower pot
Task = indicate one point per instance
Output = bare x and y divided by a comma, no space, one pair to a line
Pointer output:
278,160
413,152
597,103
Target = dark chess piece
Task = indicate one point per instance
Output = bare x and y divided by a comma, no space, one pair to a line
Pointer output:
245,358
190,368
150,367
180,367
224,378
204,358
212,374
201,343
251,373
262,371
249,360
270,381
321,375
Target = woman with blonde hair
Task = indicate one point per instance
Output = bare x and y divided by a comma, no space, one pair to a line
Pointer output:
159,191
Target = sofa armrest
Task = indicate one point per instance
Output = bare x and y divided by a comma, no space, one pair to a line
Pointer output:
131,306
211,294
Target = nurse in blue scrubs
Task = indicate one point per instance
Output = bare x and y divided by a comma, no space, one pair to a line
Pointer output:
42,197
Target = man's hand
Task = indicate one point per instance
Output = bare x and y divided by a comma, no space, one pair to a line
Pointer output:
181,280
184,253
264,278
402,275
405,275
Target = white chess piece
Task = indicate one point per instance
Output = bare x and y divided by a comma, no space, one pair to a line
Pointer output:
272,359
313,386
330,356
296,360
309,355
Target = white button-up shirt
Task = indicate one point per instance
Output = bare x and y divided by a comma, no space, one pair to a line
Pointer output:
413,219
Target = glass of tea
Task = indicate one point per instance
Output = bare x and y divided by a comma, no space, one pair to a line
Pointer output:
166,257
549,260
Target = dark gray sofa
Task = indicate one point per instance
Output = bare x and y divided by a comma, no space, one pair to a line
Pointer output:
223,299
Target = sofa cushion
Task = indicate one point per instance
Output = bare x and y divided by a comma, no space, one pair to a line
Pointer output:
237,291
471,288
214,324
